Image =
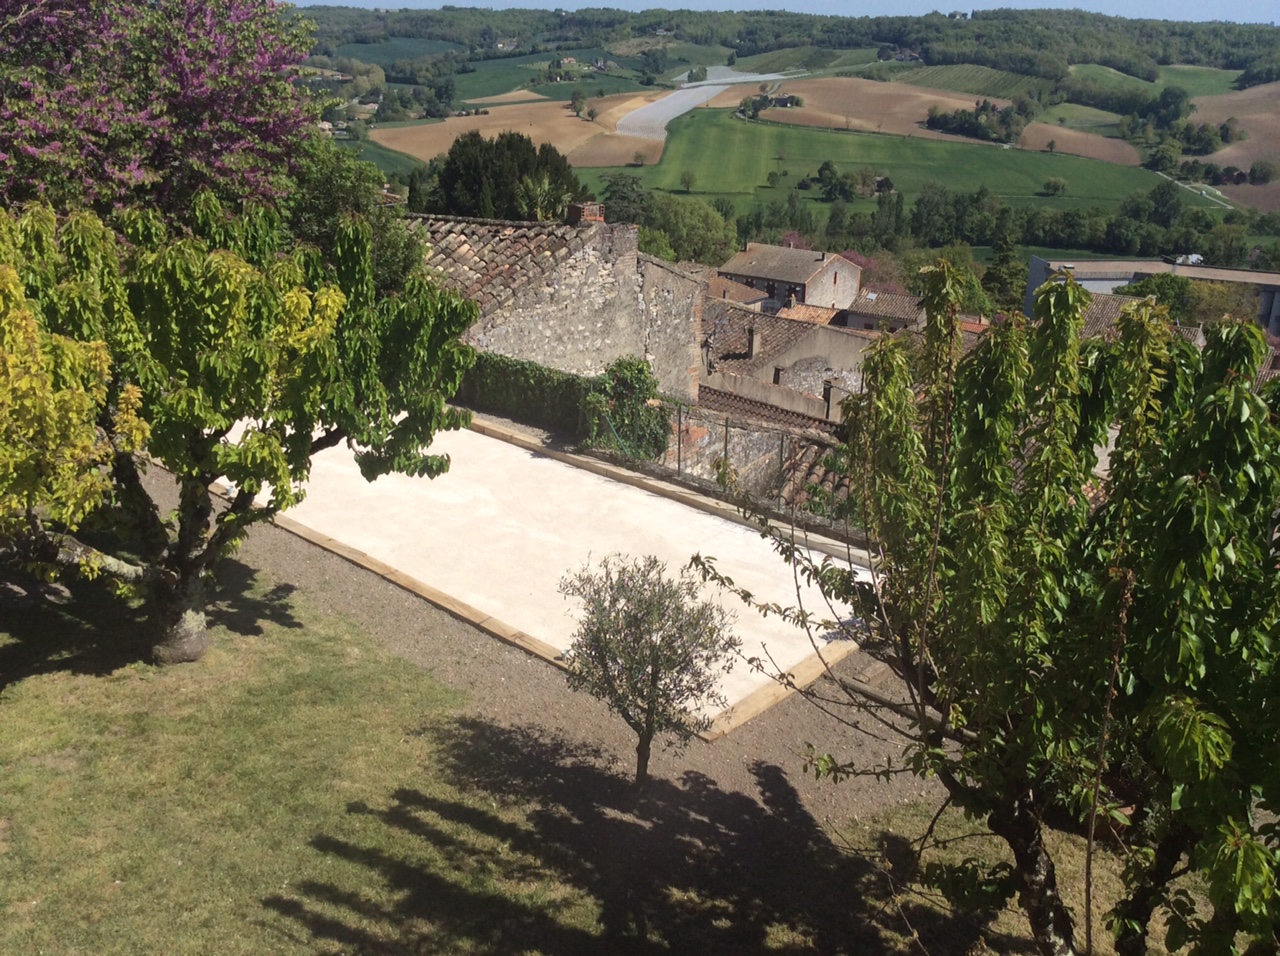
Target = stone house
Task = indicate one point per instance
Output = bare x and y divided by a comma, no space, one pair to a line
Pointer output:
808,277
791,364
571,296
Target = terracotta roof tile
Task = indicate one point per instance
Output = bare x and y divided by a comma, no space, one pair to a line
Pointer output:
727,325
732,404
718,287
1101,315
887,305
815,314
762,261
488,260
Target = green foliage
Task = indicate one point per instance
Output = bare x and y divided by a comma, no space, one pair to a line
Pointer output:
482,178
617,410
693,228
650,647
53,393
527,392
244,356
1072,638
1171,291
625,412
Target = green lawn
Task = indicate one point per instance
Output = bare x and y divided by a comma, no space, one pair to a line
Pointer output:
301,790
274,797
733,158
1199,80
977,80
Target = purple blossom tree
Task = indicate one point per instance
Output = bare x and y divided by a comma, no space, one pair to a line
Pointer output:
112,102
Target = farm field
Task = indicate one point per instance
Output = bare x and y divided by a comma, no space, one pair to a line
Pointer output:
792,58
1196,80
1080,142
857,104
1258,110
543,121
495,77
733,158
1084,118
387,160
975,80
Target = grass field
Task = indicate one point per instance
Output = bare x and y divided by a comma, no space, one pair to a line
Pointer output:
1196,80
733,158
387,160
808,58
978,80
397,48
495,77
1085,118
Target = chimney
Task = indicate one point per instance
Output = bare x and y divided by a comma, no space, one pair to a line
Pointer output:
791,301
753,342
580,212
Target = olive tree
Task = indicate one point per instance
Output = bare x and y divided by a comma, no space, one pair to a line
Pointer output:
240,356
1078,582
650,647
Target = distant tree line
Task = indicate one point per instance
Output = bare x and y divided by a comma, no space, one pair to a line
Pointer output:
1044,43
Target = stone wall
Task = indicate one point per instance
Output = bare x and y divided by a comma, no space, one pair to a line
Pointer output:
603,301
701,437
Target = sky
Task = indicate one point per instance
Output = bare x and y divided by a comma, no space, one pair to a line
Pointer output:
1241,11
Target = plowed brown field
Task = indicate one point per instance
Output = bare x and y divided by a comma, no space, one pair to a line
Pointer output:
1258,110
1079,143
850,103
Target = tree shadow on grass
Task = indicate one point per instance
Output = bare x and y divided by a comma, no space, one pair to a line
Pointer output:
85,627
685,868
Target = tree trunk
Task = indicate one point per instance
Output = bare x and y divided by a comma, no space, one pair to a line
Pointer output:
1051,923
642,761
1135,912
179,621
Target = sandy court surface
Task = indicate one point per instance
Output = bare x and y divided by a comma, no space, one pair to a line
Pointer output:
515,96
852,103
547,121
504,525
1258,110
1079,143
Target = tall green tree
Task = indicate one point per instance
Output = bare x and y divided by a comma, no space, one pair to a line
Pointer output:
481,177
243,356
1076,636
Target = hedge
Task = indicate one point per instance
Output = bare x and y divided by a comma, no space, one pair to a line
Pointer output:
527,392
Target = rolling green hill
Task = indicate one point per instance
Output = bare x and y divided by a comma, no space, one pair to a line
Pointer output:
396,48
731,158
978,80
1196,80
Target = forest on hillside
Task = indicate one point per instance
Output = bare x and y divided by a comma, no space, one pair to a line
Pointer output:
1043,43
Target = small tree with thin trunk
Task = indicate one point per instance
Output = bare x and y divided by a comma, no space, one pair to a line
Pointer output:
687,180
650,647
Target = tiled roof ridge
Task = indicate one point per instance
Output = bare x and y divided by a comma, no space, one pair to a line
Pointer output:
473,220
709,397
